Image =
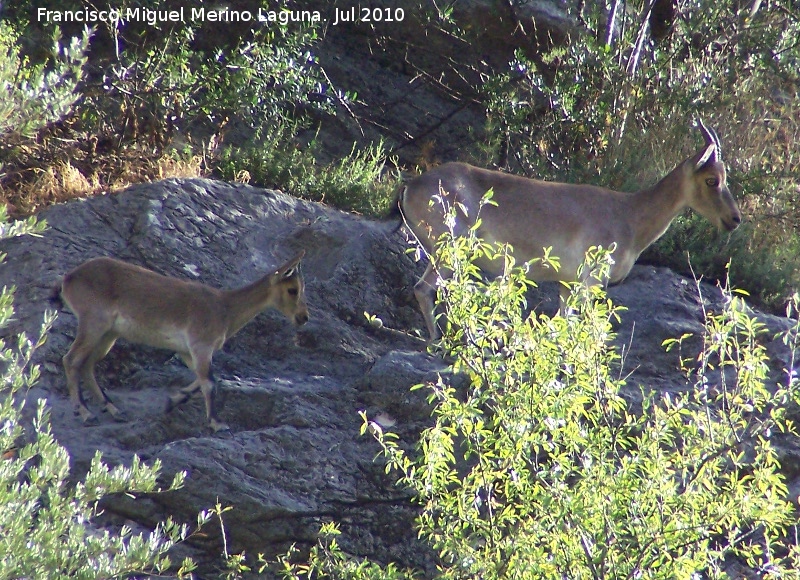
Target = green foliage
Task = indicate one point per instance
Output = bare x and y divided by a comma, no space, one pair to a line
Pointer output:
768,271
46,521
542,469
354,183
9,229
615,79
155,89
35,95
328,560
166,98
177,99
270,82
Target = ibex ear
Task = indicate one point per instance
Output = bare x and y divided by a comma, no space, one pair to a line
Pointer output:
708,155
289,269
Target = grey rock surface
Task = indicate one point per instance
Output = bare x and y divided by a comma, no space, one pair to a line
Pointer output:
294,457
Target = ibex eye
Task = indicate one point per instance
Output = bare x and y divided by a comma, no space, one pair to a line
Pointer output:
292,291
712,182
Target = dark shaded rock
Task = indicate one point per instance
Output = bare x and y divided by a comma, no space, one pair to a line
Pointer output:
418,83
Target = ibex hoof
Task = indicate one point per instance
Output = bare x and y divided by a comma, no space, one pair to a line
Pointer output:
120,417
219,426
87,417
175,400
112,410
90,420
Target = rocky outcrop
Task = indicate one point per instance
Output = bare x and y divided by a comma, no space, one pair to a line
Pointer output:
294,457
420,84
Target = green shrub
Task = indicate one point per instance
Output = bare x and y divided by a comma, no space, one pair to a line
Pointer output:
161,100
162,87
767,271
328,560
541,468
274,159
35,95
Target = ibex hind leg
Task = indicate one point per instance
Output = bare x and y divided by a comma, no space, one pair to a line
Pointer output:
73,373
100,351
79,362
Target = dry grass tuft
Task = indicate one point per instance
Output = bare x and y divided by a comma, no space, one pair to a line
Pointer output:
59,182
35,188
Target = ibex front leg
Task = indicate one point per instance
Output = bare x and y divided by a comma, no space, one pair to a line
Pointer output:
200,363
425,291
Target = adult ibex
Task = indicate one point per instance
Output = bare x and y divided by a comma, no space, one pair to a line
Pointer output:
113,299
531,215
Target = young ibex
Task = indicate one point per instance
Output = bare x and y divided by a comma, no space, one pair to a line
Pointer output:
531,215
113,299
